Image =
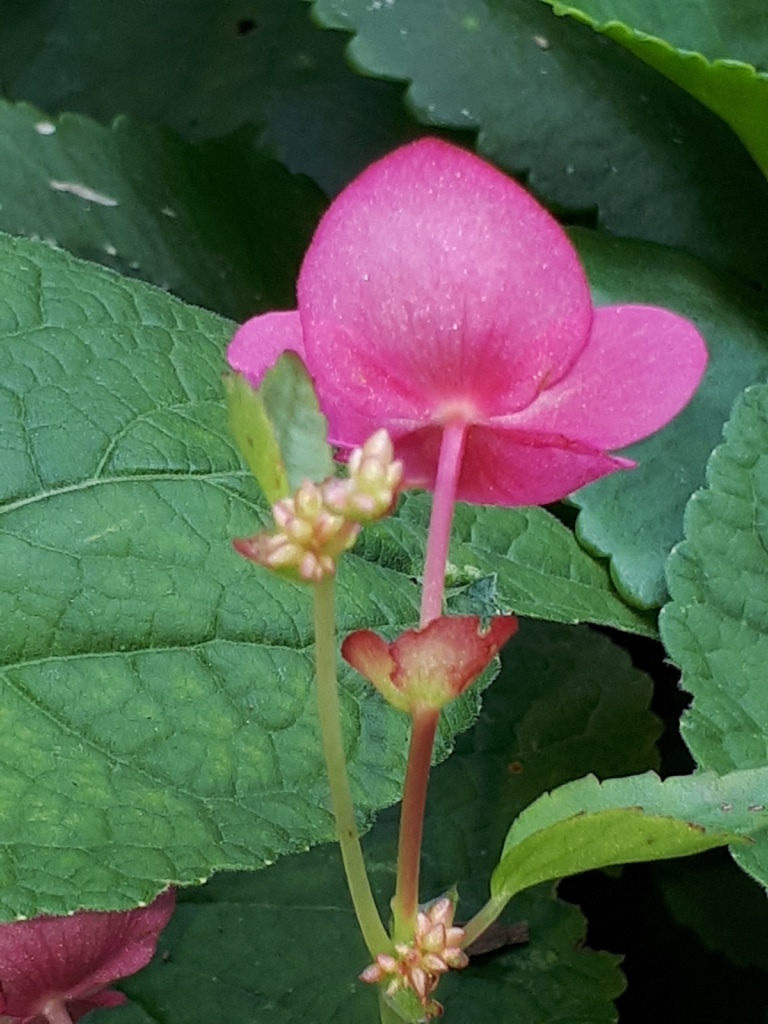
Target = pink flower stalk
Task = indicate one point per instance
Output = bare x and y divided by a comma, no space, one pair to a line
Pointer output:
425,669
436,293
56,969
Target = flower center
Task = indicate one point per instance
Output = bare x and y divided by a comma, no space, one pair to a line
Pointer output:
456,411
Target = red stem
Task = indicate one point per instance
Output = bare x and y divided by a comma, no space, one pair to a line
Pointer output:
424,724
406,902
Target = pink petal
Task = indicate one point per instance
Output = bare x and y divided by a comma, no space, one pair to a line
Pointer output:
451,650
260,341
429,667
435,283
639,369
366,652
508,467
74,958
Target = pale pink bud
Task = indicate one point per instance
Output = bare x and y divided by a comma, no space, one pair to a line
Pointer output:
283,511
379,446
372,974
308,500
283,556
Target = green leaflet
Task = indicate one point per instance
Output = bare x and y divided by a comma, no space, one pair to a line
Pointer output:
716,624
709,48
588,824
506,560
279,428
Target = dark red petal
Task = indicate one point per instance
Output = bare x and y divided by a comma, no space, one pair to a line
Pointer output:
72,958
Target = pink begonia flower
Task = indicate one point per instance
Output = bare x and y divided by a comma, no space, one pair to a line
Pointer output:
425,669
436,291
56,969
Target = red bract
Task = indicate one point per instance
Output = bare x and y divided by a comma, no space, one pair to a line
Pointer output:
436,291
57,968
425,669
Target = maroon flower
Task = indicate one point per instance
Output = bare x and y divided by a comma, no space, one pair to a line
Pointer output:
56,969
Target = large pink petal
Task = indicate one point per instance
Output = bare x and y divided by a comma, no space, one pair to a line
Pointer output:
508,467
261,340
72,958
639,369
435,282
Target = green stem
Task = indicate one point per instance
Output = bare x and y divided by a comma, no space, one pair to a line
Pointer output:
374,933
406,902
483,919
388,1014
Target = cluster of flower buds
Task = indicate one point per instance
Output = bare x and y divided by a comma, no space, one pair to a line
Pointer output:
418,966
322,521
369,491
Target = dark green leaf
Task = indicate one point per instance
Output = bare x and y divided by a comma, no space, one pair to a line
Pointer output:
204,68
695,46
716,625
220,223
528,561
590,126
732,919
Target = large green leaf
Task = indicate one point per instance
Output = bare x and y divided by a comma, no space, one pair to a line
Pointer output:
590,126
156,690
282,945
710,48
204,68
219,223
732,920
253,947
716,625
635,518
587,824
157,709
507,560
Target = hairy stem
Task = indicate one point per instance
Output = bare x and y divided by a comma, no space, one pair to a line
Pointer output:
388,1015
374,933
